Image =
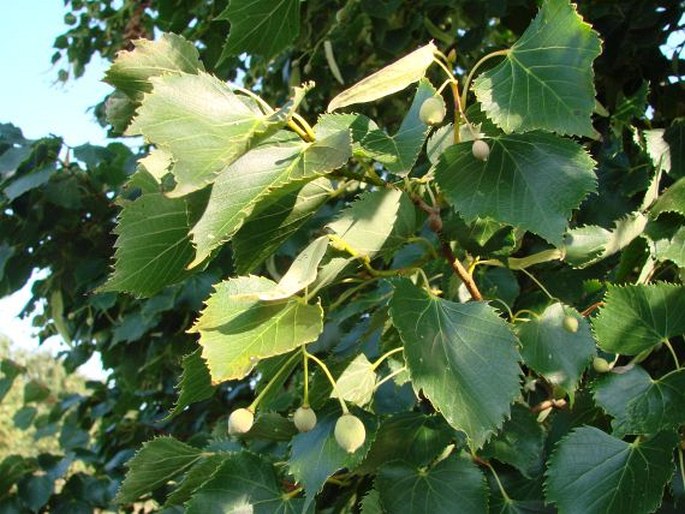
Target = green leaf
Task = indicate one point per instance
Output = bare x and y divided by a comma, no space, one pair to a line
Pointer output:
584,246
236,329
532,181
262,27
157,462
399,152
659,407
274,220
24,416
364,227
592,472
672,200
675,249
27,182
243,483
152,247
302,272
35,391
316,455
636,317
551,350
450,349
169,54
675,137
356,384
409,436
546,79
195,383
10,370
371,503
614,391
201,472
519,443
272,427
454,484
35,491
12,468
391,79
275,164
203,125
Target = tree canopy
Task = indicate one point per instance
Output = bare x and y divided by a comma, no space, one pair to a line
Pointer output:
373,256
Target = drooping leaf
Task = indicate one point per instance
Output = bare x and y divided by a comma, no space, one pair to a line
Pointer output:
546,79
195,384
659,407
636,317
450,350
203,125
592,472
356,384
520,443
672,200
399,152
262,27
614,391
316,455
158,461
365,226
584,246
551,350
237,329
274,220
409,436
170,54
163,224
273,165
10,371
454,484
302,271
532,181
391,79
244,483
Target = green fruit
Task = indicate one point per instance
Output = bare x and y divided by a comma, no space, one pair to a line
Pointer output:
240,421
304,419
349,432
570,324
480,150
432,110
601,365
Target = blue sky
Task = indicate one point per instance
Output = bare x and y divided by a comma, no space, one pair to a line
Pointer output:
31,98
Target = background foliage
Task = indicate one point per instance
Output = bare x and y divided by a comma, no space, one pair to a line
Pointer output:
542,430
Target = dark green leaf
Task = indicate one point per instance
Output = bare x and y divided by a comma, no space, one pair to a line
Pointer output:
24,416
243,483
409,436
634,318
35,391
274,220
551,350
520,443
12,468
592,472
154,465
532,181
195,384
35,491
316,455
255,176
675,137
237,329
659,407
10,370
29,181
399,152
145,269
262,27
371,503
614,391
451,348
546,78
452,485
201,472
